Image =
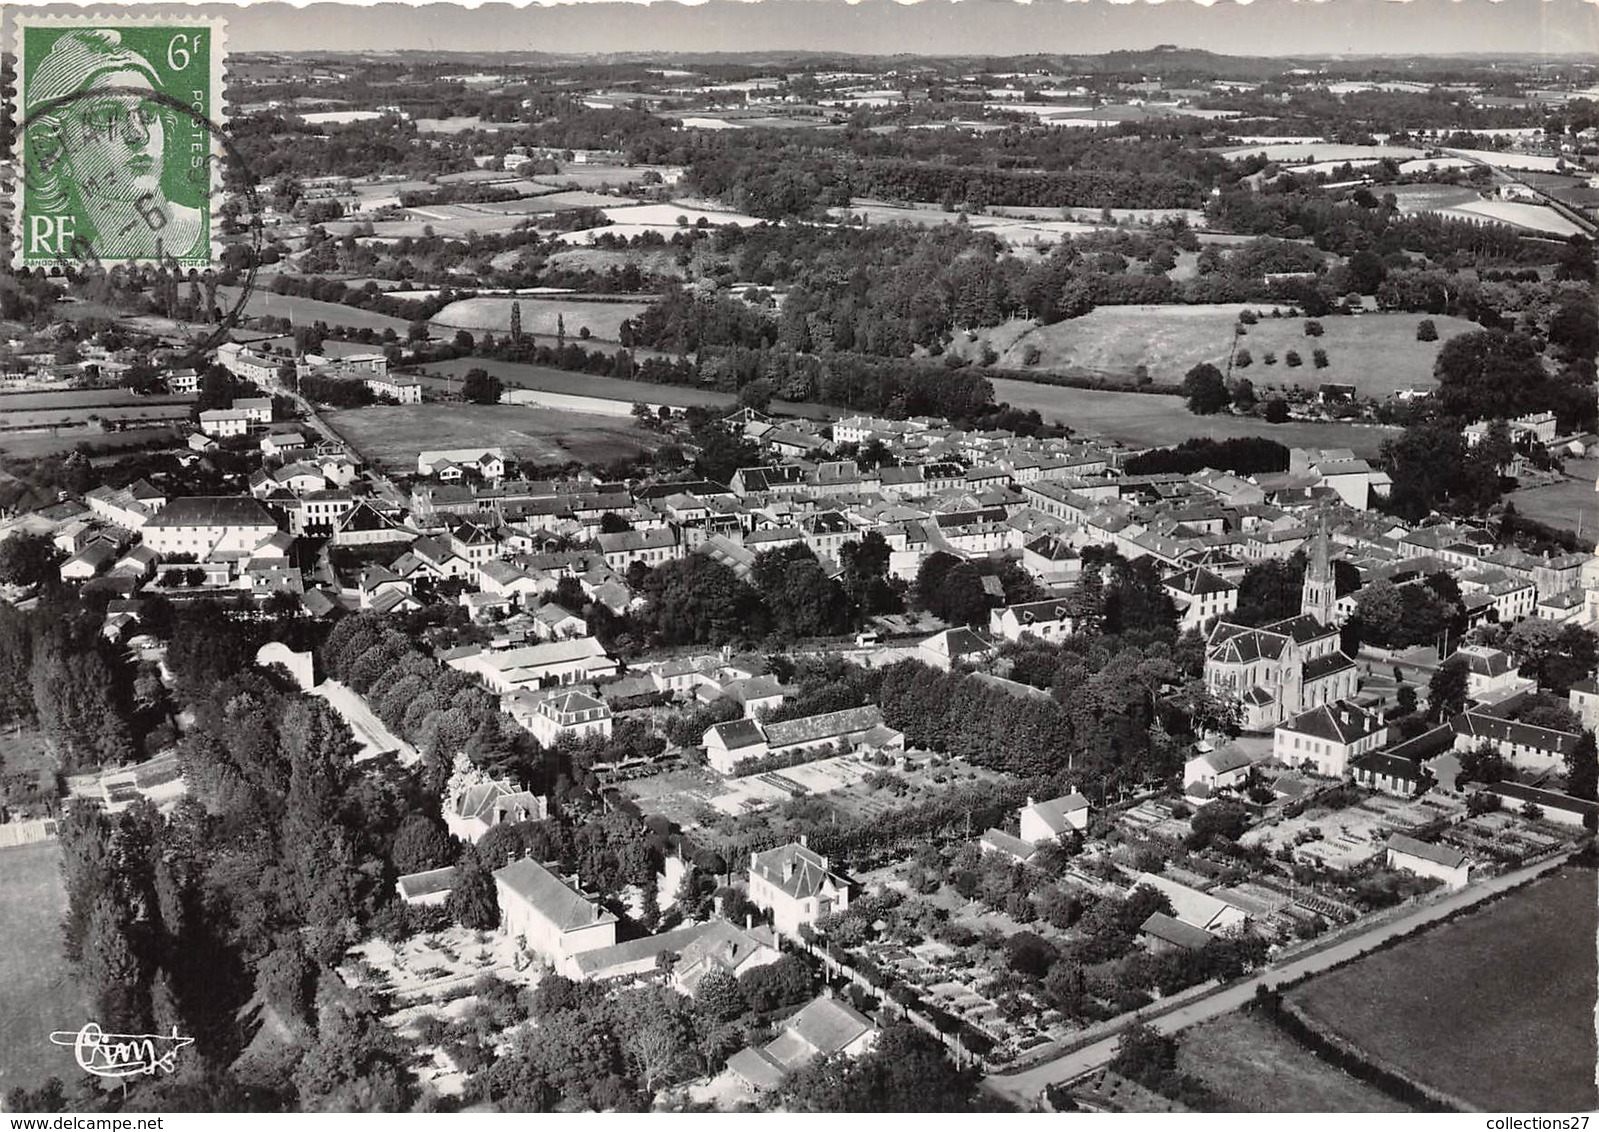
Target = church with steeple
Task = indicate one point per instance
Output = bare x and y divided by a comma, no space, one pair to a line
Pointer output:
1319,597
1276,671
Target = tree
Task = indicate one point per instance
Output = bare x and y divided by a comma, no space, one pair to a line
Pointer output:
480,387
1446,691
421,843
908,1071
1426,331
1489,375
719,996
1313,329
1557,656
1270,590
474,903
1276,410
111,971
28,560
1319,357
1205,390
787,982
516,321
1582,768
1243,395
1218,819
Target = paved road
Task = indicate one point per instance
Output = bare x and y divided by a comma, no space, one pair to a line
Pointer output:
1023,1088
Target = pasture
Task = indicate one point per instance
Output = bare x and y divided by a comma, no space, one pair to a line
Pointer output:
1496,1008
1148,419
392,435
597,176
1297,153
31,445
1255,1067
520,374
305,312
1569,505
540,316
1375,352
40,994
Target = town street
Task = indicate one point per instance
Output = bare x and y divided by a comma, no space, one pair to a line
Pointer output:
1023,1088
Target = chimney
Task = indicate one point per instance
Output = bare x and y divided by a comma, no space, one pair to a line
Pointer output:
1030,802
749,921
804,843
717,905
827,991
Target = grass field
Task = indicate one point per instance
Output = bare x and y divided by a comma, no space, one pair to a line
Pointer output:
39,994
540,316
565,381
1568,505
1376,353
1152,419
1496,1008
1256,1068
304,312
391,436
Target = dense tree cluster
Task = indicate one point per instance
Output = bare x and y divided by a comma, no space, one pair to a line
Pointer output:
1244,456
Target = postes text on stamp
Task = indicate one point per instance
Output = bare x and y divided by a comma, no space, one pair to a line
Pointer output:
118,140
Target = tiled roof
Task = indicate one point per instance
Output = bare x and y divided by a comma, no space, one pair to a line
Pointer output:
815,727
1164,927
1438,854
550,897
1342,722
211,511
828,1025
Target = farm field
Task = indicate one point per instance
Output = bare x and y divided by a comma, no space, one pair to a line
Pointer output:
668,213
1255,1067
564,381
552,380
30,445
541,316
1324,151
1569,505
1496,1008
1518,214
1503,160
80,398
1375,352
1013,230
1154,419
593,176
1430,198
40,995
304,312
392,435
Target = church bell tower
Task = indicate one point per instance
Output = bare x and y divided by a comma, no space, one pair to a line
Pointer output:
1320,595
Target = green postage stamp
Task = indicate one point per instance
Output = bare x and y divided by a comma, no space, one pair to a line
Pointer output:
119,145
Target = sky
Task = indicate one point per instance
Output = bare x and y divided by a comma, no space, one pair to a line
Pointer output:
930,27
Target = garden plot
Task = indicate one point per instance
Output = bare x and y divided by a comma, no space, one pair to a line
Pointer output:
425,968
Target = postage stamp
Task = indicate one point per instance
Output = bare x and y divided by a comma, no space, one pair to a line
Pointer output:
119,144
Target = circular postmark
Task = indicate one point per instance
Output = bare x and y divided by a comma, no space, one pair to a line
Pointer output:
75,147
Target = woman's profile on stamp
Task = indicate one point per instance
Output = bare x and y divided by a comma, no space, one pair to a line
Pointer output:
102,152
